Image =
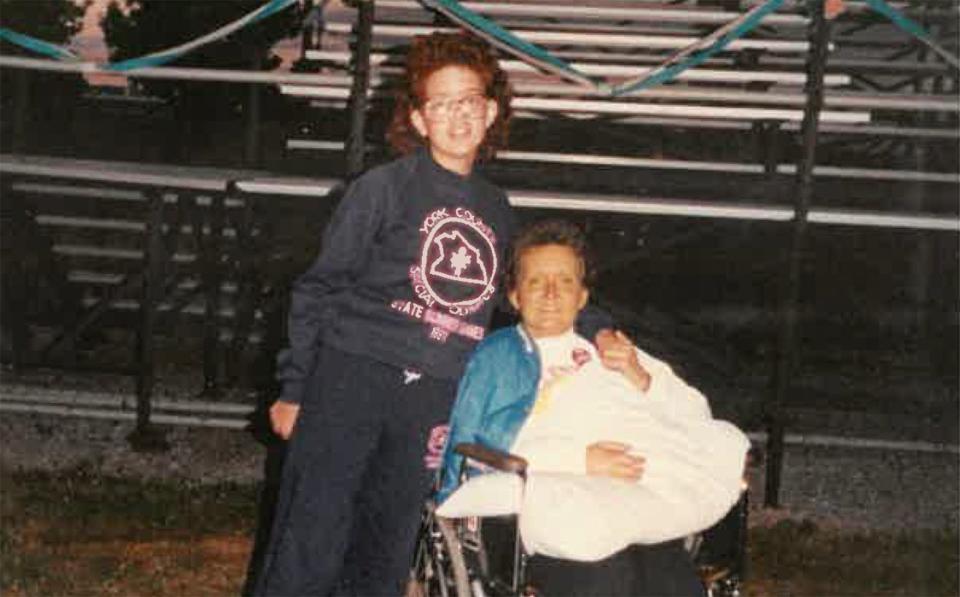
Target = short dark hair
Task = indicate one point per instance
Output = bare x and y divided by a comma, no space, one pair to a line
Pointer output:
427,55
550,232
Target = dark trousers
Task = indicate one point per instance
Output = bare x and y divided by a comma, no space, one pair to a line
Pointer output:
354,480
663,570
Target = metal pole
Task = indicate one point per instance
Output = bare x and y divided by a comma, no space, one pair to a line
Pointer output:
212,278
786,354
769,136
21,103
144,436
358,90
16,214
307,34
251,146
921,264
245,297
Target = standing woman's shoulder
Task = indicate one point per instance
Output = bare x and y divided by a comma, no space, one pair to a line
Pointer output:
490,190
388,173
377,187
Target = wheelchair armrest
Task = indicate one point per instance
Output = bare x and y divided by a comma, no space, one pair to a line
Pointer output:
502,461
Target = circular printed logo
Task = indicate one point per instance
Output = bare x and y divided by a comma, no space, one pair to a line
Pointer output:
458,262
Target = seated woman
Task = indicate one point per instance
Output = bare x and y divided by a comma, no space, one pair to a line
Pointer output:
624,458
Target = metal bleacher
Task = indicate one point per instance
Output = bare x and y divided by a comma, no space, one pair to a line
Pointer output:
734,121
154,249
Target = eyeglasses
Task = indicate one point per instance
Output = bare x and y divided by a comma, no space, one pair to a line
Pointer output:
468,106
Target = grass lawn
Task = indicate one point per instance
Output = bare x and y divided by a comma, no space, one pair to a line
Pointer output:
77,533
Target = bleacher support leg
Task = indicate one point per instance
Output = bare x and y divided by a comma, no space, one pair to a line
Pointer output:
251,141
21,109
247,287
212,279
358,91
16,295
768,133
786,354
145,436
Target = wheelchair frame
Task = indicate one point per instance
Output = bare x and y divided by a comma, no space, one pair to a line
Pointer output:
451,559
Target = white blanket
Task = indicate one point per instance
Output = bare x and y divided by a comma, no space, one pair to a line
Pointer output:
693,472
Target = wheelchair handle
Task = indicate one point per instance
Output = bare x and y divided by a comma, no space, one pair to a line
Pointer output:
502,461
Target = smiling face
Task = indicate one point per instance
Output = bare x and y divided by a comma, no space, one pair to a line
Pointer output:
454,116
549,290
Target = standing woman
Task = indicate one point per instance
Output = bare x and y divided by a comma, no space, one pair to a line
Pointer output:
380,327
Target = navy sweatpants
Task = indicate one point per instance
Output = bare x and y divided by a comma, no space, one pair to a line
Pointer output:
355,479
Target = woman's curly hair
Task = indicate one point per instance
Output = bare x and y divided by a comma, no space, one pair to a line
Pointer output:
550,232
427,55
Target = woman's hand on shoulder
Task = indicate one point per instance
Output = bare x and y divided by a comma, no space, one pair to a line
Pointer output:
618,353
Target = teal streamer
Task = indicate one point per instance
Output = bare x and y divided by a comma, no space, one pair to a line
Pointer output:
508,40
544,58
898,18
165,56
913,28
157,58
668,71
37,45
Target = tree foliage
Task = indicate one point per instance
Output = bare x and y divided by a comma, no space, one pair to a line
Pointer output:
55,21
204,111
134,28
30,100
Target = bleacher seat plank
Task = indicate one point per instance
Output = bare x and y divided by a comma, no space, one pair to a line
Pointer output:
612,40
380,59
555,10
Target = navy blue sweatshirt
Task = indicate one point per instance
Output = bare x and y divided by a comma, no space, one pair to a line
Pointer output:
407,274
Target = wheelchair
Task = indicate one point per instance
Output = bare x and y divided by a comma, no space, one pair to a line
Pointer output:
459,558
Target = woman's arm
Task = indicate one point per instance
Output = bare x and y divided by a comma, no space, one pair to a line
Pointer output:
651,376
618,353
345,251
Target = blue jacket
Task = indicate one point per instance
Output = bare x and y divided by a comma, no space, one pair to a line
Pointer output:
495,396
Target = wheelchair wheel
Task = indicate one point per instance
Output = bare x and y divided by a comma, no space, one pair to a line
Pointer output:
721,583
439,568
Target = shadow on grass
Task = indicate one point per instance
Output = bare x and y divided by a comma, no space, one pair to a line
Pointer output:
77,533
